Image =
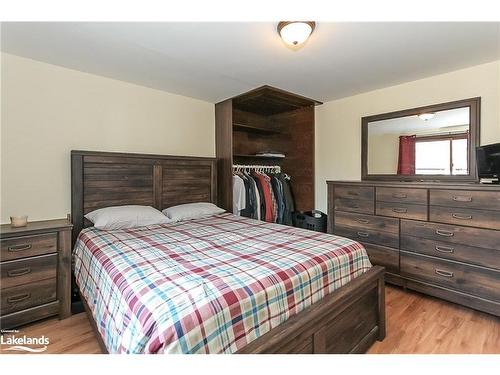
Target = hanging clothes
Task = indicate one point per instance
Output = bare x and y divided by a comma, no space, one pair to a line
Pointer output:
288,199
263,196
256,212
278,193
273,200
250,195
239,195
271,204
267,195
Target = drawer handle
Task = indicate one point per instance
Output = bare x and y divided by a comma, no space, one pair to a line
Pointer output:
400,210
399,195
444,233
15,248
353,193
461,217
363,221
363,234
445,249
355,206
444,273
18,298
19,272
458,198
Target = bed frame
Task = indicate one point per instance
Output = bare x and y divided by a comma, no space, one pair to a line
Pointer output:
349,320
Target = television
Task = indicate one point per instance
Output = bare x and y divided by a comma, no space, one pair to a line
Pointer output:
488,161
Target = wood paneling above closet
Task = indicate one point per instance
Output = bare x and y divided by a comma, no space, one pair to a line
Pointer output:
267,100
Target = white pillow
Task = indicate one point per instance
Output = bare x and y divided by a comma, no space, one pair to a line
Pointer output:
192,211
123,217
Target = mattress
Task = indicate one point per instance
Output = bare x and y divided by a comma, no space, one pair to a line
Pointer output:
209,285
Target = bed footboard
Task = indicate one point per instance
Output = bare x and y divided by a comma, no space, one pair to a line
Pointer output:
348,320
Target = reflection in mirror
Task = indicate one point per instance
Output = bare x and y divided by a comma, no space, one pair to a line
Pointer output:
433,143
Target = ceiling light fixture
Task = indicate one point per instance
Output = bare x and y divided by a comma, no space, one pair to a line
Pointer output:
294,33
426,116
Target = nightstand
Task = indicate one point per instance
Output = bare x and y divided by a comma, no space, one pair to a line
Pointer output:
35,269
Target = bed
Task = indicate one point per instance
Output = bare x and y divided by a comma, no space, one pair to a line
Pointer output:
222,284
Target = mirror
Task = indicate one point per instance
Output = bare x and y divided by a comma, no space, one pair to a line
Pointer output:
428,143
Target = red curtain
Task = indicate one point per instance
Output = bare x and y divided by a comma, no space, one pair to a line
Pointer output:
406,162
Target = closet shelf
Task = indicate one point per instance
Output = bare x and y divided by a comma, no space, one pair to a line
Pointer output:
254,129
257,157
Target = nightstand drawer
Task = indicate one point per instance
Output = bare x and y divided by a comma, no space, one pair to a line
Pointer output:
29,295
28,246
24,271
35,272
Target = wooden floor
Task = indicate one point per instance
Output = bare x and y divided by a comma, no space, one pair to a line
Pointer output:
415,324
419,324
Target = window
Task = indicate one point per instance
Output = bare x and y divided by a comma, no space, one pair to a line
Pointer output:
442,155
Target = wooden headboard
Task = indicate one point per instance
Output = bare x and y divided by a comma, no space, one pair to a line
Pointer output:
103,179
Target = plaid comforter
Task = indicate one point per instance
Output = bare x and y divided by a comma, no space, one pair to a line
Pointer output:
209,285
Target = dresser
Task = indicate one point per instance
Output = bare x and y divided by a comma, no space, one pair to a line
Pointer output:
35,268
435,238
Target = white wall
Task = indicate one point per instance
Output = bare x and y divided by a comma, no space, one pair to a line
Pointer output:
338,122
383,153
47,110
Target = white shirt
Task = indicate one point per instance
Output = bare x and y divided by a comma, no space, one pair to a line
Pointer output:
239,195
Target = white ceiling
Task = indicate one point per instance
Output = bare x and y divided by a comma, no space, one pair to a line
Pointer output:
214,61
445,121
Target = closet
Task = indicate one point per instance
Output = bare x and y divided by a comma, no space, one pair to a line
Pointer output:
261,120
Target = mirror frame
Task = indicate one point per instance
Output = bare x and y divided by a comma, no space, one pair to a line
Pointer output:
474,105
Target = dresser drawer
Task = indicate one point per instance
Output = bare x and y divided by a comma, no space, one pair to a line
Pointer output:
457,252
28,295
402,210
402,195
466,216
28,246
360,221
370,236
479,281
383,256
475,237
20,272
483,200
355,192
354,205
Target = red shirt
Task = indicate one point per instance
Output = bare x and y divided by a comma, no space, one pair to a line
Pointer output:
266,189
